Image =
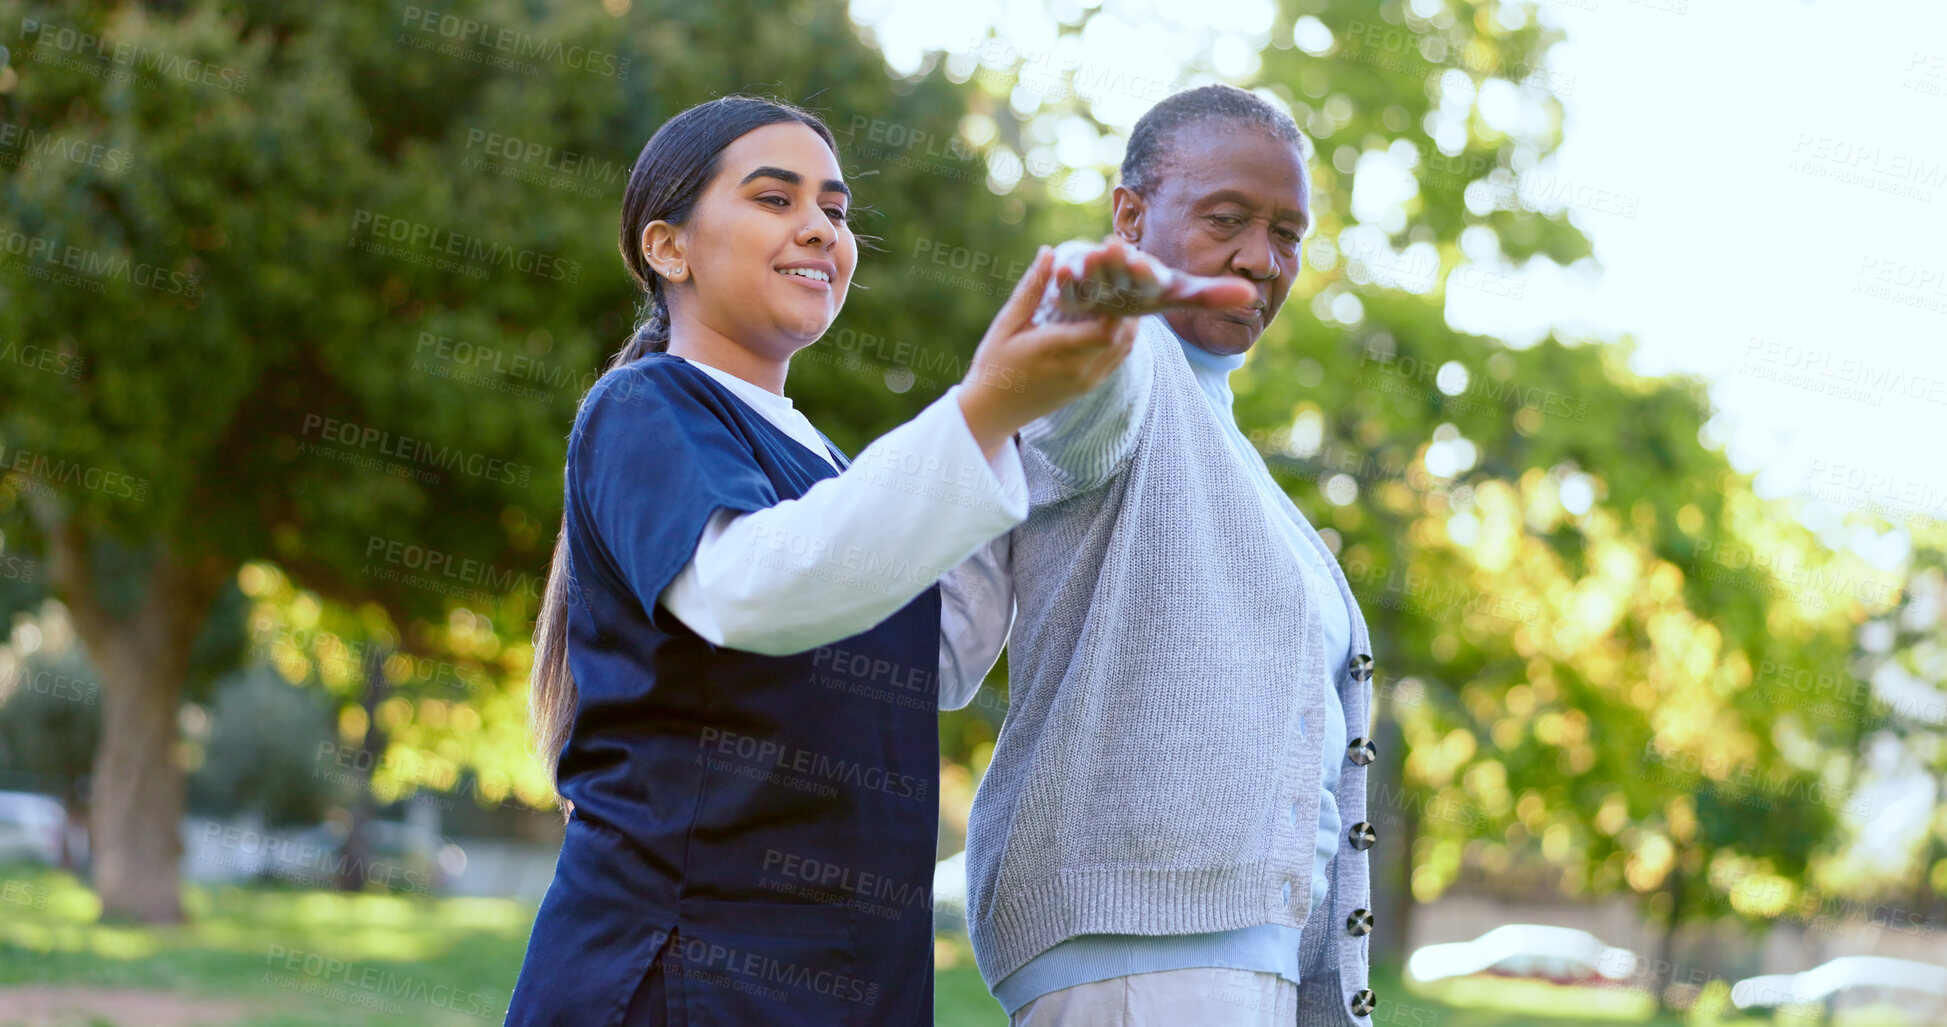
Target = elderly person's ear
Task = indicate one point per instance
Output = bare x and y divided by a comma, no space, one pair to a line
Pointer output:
1126,214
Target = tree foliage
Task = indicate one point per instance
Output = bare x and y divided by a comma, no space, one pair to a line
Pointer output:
309,332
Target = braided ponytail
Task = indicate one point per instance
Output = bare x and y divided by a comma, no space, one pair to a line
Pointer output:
651,333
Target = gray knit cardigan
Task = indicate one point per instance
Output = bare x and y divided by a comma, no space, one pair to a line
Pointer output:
1162,656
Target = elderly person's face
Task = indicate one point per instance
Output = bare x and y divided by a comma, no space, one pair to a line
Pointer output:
1231,199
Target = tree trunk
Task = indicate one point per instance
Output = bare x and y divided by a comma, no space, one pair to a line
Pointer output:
138,788
135,805
76,808
1666,949
1392,865
362,808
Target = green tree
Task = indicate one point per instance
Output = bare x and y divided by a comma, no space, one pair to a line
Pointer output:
307,334
1894,855
317,319
1547,550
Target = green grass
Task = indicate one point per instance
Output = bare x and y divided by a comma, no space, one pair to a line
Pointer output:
419,960
1482,1001
434,961
452,961
960,997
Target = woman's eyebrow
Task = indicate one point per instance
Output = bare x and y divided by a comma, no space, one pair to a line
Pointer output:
831,185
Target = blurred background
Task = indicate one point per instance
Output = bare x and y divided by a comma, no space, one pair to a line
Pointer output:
1615,376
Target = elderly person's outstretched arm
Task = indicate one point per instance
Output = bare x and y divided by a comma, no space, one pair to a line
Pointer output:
1089,440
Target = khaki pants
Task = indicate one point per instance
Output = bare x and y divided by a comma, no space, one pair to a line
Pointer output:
1208,996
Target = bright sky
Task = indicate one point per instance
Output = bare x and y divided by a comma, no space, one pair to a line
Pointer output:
1787,174
1793,176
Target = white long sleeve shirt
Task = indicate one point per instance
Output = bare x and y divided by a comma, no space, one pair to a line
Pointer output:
921,496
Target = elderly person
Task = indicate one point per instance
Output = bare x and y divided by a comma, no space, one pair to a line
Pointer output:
1172,829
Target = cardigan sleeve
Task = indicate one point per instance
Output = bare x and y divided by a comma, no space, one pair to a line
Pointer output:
976,616
1086,442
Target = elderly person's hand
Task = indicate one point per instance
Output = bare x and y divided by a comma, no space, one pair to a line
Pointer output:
1114,279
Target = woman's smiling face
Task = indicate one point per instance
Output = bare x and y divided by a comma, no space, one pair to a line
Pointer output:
767,254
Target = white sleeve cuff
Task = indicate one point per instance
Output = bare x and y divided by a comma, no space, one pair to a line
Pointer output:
935,455
1010,478
855,547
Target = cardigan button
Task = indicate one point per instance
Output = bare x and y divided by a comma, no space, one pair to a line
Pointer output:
1363,1002
1359,924
1362,836
1360,667
1361,751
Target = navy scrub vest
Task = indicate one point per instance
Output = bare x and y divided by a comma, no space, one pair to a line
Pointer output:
764,826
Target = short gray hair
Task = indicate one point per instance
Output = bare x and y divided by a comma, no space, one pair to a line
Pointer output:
1153,142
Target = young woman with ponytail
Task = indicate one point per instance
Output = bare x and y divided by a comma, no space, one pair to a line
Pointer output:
745,637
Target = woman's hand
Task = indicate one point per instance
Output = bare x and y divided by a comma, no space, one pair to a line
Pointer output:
1023,370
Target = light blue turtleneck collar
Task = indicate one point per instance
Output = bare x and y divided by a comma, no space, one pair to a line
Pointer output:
1211,369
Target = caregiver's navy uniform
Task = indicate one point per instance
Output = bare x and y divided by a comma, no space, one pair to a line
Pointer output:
753,835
